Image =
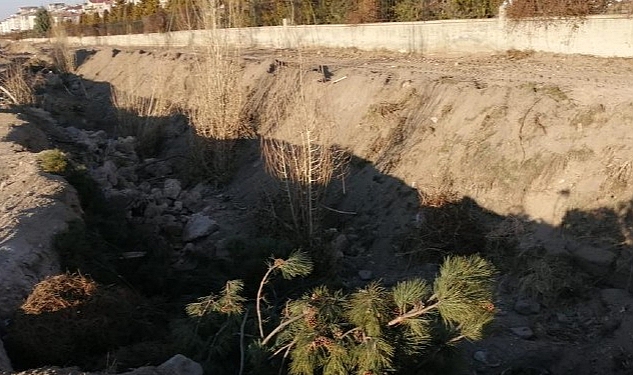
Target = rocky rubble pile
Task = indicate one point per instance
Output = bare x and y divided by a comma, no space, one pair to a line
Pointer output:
150,194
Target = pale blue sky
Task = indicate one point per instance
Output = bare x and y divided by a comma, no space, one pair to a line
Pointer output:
8,7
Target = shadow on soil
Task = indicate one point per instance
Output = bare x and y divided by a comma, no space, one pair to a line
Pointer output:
368,221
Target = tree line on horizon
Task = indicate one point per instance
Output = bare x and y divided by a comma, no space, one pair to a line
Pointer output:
148,16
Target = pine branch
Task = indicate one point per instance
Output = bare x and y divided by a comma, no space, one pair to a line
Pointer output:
242,353
415,312
280,327
258,301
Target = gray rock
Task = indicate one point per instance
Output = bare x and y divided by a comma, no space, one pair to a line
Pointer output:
5,364
145,187
53,80
198,226
157,168
523,332
527,307
126,145
340,244
483,357
157,194
177,365
365,275
170,225
617,300
106,175
172,188
153,210
122,199
180,365
178,206
562,318
129,173
192,200
594,260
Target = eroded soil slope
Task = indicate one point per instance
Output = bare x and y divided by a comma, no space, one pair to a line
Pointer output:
539,144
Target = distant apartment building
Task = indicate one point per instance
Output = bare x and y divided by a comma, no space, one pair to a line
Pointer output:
23,20
67,14
98,6
55,7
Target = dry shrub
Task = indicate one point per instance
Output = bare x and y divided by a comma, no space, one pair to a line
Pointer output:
447,224
16,82
217,100
143,118
515,54
63,57
550,279
69,318
304,170
521,9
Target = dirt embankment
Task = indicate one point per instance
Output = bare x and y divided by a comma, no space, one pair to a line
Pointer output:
34,207
539,142
536,136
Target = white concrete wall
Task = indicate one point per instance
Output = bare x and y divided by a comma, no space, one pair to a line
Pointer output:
597,35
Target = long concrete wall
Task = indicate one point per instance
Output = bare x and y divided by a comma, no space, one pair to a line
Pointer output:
597,35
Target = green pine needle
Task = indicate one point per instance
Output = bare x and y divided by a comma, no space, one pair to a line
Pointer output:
229,302
297,264
368,309
374,356
410,293
465,289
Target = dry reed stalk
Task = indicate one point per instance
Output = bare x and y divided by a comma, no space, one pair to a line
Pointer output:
17,85
63,57
215,108
304,170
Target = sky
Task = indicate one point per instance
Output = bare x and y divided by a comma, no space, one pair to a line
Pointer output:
8,7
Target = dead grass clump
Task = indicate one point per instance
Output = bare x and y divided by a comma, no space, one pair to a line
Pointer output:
69,318
143,118
446,225
17,86
58,293
550,279
515,54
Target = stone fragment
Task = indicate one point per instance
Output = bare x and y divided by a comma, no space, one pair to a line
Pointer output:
617,300
172,188
527,307
340,244
180,365
523,332
365,275
594,260
198,226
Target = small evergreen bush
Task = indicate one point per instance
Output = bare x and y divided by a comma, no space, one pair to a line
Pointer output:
53,161
370,331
